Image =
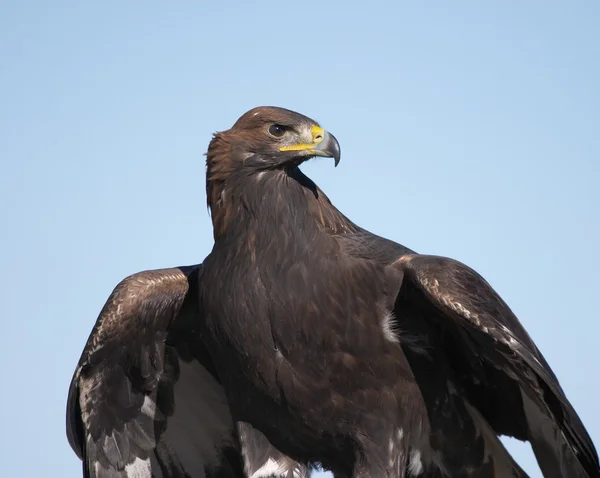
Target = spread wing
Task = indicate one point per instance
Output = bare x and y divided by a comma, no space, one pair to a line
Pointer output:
145,400
504,367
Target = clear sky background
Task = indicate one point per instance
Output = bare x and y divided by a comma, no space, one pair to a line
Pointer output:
468,129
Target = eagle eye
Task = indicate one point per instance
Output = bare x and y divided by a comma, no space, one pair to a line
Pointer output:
277,130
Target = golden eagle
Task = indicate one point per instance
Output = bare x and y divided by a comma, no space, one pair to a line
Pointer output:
304,339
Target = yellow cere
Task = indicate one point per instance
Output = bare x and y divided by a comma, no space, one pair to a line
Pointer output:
318,134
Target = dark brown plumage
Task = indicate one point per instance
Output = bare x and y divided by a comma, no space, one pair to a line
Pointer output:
145,400
347,349
314,337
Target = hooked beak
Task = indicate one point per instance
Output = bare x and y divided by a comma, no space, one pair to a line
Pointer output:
323,144
329,148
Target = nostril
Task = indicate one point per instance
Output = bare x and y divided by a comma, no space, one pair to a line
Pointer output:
318,137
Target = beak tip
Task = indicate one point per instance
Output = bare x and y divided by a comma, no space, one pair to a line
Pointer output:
334,149
329,148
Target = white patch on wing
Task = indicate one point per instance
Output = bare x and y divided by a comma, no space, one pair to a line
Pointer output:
415,465
516,345
281,468
139,469
149,407
391,333
202,421
510,339
261,459
387,323
271,467
457,306
396,452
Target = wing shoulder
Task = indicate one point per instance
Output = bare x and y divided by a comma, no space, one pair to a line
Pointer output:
464,295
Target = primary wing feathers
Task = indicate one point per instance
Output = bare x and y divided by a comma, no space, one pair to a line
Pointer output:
491,331
144,400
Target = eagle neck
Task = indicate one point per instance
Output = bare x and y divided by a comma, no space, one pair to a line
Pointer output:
257,203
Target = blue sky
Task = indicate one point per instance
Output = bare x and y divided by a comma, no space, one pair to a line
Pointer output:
467,130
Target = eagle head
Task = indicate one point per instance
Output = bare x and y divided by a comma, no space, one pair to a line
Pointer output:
269,137
265,142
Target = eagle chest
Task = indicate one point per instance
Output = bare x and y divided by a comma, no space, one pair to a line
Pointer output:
298,319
